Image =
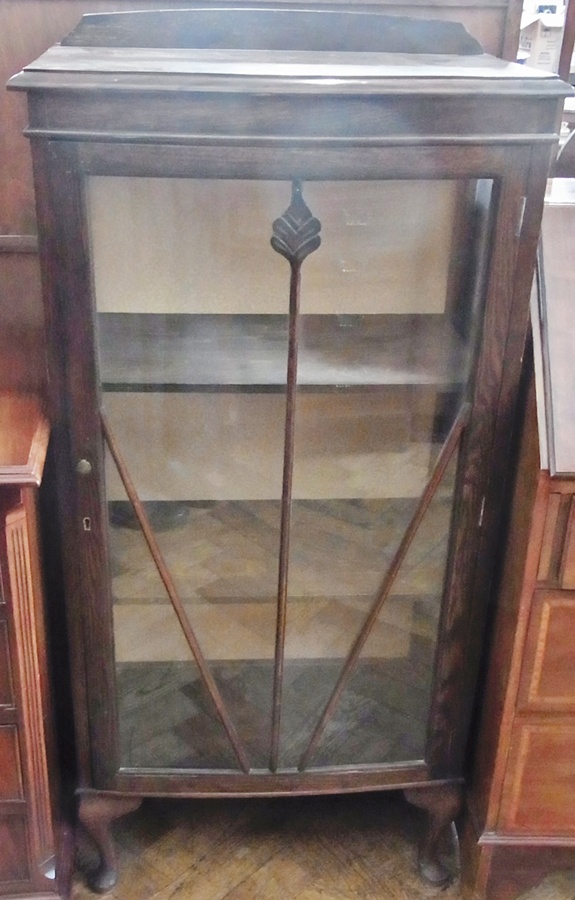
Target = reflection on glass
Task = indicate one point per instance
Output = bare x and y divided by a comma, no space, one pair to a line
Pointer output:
382,713
222,557
388,388
193,347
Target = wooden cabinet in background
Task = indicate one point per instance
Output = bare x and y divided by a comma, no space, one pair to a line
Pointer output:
521,823
29,834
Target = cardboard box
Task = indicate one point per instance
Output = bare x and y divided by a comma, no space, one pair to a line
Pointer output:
540,37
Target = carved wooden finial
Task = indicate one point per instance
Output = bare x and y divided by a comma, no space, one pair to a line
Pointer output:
296,233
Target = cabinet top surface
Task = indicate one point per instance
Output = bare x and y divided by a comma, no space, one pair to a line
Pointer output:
291,50
299,71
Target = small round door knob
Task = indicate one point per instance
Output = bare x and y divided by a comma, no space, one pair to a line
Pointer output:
83,467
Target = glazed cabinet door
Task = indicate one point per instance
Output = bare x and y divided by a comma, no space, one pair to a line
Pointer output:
283,403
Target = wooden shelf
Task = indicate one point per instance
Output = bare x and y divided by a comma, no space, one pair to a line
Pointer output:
180,353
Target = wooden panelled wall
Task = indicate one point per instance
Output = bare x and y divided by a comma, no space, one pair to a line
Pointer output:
27,28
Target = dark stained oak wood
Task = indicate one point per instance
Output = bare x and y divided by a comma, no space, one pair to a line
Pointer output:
442,804
96,813
249,28
288,115
295,236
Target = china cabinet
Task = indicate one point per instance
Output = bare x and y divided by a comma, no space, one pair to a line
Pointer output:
286,259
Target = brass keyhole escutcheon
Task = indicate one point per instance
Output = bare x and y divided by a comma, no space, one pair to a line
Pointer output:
83,467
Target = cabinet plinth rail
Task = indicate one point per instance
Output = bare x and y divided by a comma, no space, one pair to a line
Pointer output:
295,236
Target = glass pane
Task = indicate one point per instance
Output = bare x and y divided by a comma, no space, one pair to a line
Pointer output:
380,383
166,716
221,554
192,306
194,392
387,696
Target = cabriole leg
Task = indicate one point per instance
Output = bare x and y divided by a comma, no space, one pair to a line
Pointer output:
442,804
96,813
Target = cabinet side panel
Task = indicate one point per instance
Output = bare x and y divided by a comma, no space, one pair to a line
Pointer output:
509,627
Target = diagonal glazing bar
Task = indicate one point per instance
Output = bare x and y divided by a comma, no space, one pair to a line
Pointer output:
295,236
176,602
446,454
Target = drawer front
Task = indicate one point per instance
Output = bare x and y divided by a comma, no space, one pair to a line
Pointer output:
548,674
556,567
539,790
567,572
14,867
6,683
10,770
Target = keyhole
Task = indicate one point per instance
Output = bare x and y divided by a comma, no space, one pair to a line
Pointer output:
87,523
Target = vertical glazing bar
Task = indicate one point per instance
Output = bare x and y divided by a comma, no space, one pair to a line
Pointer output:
295,236
289,435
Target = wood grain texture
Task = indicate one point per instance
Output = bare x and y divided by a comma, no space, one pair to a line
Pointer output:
516,872
567,564
548,676
23,439
511,620
273,29
25,578
6,680
14,862
539,797
26,811
11,787
548,553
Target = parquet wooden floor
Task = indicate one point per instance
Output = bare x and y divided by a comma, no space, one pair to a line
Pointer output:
354,847
360,846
